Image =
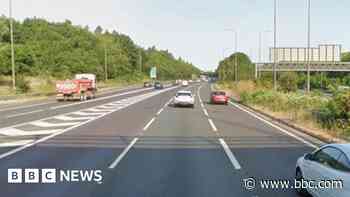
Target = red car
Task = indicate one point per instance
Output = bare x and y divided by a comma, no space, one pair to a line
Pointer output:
219,97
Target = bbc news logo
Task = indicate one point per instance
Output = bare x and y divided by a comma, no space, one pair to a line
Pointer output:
47,176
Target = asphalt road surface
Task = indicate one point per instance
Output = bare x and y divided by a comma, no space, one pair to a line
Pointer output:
144,146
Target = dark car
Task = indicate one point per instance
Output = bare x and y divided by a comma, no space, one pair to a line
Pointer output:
147,84
158,85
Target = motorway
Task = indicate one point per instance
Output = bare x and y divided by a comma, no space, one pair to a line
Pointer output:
147,147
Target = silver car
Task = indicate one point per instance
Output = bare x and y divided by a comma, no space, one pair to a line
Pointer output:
325,172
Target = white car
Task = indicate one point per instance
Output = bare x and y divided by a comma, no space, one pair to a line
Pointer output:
184,83
184,98
328,165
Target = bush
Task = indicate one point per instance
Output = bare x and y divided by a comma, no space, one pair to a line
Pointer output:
22,84
289,82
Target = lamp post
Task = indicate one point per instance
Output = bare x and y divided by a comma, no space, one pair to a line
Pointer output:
274,45
12,48
308,44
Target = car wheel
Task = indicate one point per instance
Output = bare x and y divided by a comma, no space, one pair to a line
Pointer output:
299,177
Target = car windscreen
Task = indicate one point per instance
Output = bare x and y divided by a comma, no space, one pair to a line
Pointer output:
219,93
183,94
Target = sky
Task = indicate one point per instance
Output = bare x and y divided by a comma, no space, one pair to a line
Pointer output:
200,31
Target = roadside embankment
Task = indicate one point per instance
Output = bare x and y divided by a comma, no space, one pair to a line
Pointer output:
319,116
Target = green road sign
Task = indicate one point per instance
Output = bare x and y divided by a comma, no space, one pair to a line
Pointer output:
153,72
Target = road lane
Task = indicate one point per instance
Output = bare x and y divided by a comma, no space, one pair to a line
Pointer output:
264,151
180,156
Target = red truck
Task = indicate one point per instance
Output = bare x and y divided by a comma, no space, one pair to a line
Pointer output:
81,88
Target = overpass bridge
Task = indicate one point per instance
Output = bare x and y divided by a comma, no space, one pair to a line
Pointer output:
302,67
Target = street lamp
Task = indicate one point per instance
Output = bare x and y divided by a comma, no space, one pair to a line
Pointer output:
274,45
308,44
236,50
12,47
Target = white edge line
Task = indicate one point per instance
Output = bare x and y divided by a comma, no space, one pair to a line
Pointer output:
230,155
149,124
16,150
275,126
212,125
25,113
122,155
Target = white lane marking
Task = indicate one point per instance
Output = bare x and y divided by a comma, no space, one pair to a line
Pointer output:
25,113
13,132
160,111
149,124
81,113
212,125
16,150
68,118
102,98
274,126
27,106
99,110
230,155
48,124
107,107
15,143
122,155
205,112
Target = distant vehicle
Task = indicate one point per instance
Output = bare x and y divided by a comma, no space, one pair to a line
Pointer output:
190,81
219,97
330,162
184,99
147,84
81,88
198,80
158,85
184,83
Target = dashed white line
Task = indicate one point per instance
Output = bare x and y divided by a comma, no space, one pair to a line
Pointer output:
274,126
160,111
205,112
149,124
25,113
122,155
212,125
230,155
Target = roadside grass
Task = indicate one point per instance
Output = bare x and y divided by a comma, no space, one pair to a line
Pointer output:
295,108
